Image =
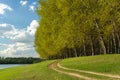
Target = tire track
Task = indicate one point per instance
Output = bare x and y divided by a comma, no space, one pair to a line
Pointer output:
54,66
91,72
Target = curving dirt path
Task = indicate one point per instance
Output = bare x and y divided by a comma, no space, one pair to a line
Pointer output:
54,66
91,72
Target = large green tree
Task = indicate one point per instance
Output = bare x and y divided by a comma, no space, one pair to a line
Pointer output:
71,28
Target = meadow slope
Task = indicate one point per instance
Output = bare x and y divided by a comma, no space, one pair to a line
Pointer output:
101,63
39,71
108,64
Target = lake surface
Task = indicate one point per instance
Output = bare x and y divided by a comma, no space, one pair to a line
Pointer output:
3,66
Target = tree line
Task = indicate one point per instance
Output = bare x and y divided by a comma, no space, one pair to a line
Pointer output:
71,28
19,60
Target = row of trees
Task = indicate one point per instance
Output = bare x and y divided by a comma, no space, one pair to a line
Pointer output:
20,60
71,28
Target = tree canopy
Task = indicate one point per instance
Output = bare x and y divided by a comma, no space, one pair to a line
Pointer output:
71,28
19,60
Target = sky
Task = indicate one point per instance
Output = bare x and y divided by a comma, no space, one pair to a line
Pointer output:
18,23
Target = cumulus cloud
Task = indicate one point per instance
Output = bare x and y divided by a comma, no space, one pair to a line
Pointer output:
32,28
23,40
18,35
6,29
23,2
4,8
32,6
18,50
26,35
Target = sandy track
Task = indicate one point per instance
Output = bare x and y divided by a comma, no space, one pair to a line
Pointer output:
54,66
91,72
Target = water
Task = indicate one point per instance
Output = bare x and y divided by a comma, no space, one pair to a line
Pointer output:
3,66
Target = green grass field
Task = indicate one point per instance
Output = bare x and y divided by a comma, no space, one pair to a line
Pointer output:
101,63
40,71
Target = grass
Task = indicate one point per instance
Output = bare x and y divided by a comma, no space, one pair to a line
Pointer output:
101,63
87,75
38,71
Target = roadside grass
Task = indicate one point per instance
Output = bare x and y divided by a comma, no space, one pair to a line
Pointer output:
101,63
39,71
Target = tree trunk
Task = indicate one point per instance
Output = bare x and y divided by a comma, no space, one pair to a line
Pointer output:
113,35
84,49
118,43
108,45
75,52
111,46
91,45
100,39
114,42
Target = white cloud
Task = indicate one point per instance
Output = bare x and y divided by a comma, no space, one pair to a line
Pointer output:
26,35
32,8
3,8
1,44
18,35
23,2
23,40
6,28
18,50
34,3
32,28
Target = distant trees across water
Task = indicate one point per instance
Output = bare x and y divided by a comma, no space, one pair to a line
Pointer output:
71,28
20,60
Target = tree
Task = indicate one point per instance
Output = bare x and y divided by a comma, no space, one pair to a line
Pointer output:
71,28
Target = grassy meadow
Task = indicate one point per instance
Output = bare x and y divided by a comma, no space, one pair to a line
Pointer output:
101,63
40,71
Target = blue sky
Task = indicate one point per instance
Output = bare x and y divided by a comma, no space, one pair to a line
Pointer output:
18,23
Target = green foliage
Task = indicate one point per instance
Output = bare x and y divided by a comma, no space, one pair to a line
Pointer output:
19,60
76,26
